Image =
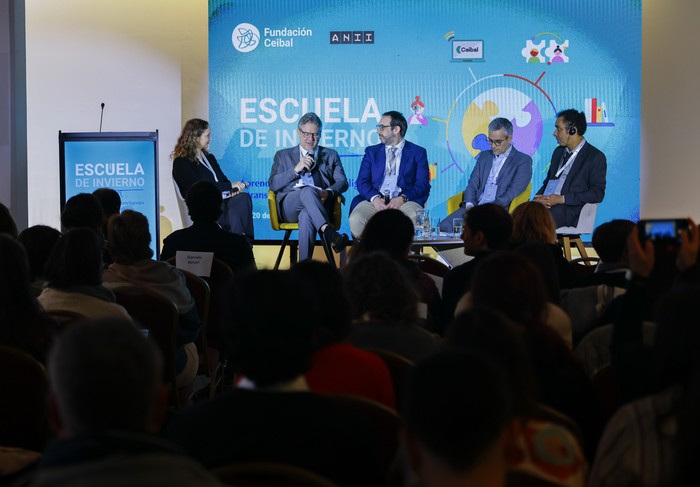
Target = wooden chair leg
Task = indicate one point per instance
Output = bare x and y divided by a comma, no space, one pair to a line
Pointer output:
581,248
285,241
566,243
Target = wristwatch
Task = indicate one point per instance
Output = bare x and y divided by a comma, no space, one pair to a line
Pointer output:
405,199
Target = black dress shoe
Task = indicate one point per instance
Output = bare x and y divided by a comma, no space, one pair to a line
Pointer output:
341,241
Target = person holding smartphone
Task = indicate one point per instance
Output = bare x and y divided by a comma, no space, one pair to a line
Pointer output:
192,162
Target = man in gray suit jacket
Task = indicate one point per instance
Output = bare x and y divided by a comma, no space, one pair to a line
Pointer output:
499,176
306,180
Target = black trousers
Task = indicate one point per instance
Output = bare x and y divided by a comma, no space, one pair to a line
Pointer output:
237,215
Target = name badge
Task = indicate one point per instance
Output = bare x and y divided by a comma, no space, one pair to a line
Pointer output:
489,195
551,187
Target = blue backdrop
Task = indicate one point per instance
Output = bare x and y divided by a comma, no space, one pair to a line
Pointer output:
449,66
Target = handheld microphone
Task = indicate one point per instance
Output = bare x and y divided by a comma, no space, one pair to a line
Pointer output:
313,163
236,190
387,197
102,112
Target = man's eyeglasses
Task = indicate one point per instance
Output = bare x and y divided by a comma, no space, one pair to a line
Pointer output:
497,143
379,126
309,135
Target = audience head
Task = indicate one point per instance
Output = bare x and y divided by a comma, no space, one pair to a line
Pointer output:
7,223
128,237
485,331
271,338
187,142
532,222
390,231
39,241
82,210
16,294
76,260
486,227
204,202
334,308
105,375
110,200
458,412
610,240
511,284
380,289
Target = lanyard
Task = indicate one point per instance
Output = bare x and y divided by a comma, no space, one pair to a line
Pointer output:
205,162
569,162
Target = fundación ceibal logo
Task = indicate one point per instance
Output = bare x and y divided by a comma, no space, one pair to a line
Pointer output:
245,37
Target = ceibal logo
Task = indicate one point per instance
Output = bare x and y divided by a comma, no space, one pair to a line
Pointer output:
245,37
467,50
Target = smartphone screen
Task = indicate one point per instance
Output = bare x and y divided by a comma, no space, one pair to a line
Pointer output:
662,230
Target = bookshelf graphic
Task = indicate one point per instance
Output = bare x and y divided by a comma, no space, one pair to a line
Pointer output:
597,113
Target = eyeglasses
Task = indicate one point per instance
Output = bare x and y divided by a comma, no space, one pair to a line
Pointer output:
309,135
379,126
497,143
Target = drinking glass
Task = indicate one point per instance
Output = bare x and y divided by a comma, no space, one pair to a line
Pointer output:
426,223
435,227
457,227
420,223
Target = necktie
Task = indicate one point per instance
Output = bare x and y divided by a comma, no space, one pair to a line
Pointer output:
391,163
564,159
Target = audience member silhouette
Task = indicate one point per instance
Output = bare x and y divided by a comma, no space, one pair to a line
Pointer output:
129,244
487,228
74,277
533,223
338,367
23,323
610,243
107,402
111,204
509,283
384,307
82,210
205,235
459,411
38,242
7,223
540,447
391,231
271,416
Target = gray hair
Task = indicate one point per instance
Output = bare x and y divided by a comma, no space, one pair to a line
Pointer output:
310,117
105,375
501,123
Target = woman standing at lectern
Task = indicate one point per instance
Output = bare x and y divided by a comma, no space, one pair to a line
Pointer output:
192,162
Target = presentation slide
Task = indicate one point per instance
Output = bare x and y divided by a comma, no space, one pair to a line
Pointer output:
125,162
449,66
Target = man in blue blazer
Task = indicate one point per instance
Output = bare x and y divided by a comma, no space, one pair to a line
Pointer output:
500,174
306,180
576,173
393,174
